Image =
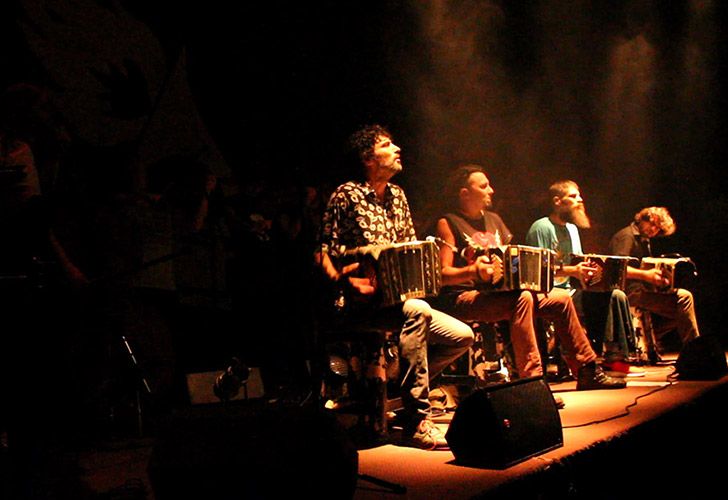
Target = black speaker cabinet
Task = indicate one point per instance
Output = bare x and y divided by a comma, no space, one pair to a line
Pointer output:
252,451
501,425
703,358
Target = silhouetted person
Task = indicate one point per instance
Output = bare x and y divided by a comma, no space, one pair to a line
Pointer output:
36,380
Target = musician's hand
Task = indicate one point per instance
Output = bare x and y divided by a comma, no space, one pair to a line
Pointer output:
349,268
654,277
362,286
587,272
497,263
484,268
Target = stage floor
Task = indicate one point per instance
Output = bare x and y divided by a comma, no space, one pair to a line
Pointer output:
653,436
655,439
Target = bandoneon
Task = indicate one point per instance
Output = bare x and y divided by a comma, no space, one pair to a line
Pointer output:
403,271
680,272
610,271
524,268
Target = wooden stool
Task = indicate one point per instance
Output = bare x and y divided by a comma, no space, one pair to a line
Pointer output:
645,345
489,359
357,368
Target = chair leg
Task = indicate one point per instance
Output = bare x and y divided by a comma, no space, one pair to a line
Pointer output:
646,349
550,350
353,383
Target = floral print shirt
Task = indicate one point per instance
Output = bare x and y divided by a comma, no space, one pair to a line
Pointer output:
355,217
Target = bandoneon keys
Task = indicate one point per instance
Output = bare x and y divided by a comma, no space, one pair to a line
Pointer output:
610,271
680,272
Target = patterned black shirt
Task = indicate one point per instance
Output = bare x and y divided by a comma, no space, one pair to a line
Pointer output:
355,217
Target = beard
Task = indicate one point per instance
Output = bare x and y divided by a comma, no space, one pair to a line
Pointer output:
393,167
578,217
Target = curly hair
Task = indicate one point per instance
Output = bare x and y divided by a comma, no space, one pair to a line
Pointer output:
660,217
361,143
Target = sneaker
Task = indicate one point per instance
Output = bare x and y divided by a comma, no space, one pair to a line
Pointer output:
426,436
442,399
591,376
622,369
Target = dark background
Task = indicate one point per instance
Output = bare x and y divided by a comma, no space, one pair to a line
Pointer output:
624,97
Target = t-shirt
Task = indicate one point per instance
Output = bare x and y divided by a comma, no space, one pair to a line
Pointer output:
563,239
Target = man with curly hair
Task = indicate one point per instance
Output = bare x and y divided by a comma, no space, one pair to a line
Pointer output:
674,310
374,211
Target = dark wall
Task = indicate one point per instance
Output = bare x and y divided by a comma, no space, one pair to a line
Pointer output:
624,97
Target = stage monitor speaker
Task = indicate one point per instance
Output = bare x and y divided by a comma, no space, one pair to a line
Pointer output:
703,358
243,450
500,425
200,387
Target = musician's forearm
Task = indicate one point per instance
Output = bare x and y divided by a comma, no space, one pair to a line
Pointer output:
456,275
637,274
324,262
646,275
568,272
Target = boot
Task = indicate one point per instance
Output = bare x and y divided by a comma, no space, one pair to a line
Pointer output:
591,376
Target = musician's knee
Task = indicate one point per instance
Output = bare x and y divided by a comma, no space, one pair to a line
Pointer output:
462,333
525,300
526,296
684,298
416,308
561,298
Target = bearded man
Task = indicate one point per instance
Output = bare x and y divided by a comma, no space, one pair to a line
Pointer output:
607,316
467,285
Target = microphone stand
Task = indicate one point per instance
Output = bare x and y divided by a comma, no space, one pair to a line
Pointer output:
148,390
127,346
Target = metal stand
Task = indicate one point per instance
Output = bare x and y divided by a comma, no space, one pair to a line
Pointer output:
144,382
